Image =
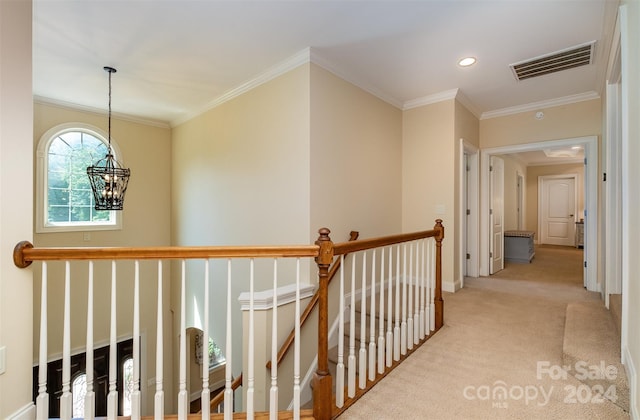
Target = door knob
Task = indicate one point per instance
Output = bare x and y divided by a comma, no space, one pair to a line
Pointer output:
571,215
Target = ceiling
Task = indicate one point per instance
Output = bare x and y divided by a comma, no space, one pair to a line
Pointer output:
177,58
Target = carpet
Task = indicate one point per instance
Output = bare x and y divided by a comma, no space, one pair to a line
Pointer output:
499,354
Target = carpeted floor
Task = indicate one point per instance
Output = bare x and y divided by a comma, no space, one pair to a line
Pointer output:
499,355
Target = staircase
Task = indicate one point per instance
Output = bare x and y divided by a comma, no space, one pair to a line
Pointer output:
591,353
357,324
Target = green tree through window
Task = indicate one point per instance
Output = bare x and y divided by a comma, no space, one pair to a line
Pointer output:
68,190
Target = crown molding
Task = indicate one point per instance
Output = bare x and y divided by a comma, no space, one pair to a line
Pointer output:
462,98
533,106
92,110
431,99
296,60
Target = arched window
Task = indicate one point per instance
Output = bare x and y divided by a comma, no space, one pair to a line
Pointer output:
65,201
79,391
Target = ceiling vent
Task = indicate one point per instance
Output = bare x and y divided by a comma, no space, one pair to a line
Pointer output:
577,56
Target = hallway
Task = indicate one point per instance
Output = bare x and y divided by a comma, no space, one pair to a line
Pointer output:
504,333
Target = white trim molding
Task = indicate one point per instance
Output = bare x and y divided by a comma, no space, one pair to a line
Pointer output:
564,100
592,239
632,379
263,300
27,412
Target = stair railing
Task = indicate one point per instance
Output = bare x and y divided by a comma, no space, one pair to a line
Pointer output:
313,303
428,287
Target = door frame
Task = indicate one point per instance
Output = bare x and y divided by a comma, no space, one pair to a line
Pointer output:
592,238
541,200
493,206
469,225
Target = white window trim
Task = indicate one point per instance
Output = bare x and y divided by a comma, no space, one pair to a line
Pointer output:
42,181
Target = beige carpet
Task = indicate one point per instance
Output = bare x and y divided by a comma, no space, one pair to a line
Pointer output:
501,333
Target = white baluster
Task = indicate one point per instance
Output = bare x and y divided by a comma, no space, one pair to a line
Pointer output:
403,325
389,339
296,348
340,365
396,330
250,365
66,400
183,409
427,316
372,321
205,395
89,399
422,290
135,395
112,397
158,411
351,370
381,320
362,362
42,402
409,282
273,406
433,284
416,306
228,372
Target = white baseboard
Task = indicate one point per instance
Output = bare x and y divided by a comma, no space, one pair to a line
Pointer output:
28,412
450,286
632,377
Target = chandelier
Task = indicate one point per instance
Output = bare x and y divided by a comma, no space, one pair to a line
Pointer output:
108,178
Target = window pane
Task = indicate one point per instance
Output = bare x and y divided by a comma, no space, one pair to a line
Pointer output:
80,214
127,374
59,163
58,179
58,197
58,214
81,198
59,146
69,195
79,391
101,216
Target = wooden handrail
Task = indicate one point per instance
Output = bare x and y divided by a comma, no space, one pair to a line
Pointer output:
288,342
348,247
24,253
217,400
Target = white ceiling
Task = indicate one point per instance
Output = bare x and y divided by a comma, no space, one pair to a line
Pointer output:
177,58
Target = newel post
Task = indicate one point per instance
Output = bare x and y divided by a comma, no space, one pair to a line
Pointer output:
439,303
322,395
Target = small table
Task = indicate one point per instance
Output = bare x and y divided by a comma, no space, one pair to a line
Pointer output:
518,246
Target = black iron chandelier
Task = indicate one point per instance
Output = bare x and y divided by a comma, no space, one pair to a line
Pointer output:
108,178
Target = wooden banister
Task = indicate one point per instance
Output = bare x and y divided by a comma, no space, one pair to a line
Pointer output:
24,253
288,342
217,400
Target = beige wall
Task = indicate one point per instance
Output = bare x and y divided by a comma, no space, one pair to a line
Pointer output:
513,168
428,175
240,177
533,174
356,166
16,216
560,122
146,220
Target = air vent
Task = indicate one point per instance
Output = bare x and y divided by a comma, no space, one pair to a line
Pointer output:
569,58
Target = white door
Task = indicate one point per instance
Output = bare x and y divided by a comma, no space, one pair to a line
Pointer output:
496,215
557,210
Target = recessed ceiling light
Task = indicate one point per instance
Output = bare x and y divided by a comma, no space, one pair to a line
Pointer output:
467,61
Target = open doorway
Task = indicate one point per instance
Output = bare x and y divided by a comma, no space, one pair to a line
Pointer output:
590,147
